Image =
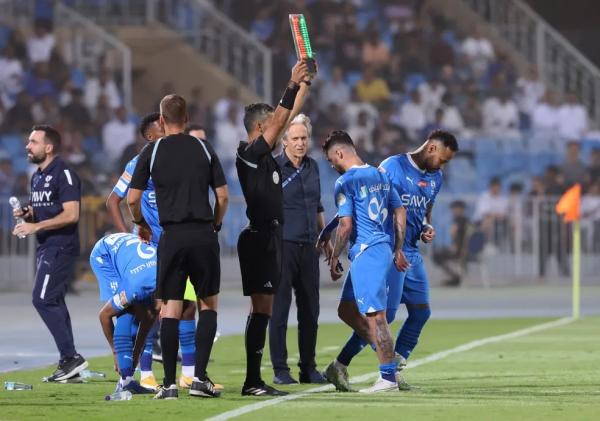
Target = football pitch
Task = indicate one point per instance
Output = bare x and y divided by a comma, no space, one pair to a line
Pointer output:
509,369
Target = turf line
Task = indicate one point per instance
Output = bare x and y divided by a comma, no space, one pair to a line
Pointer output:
413,364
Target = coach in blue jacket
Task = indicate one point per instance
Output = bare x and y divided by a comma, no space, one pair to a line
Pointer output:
303,219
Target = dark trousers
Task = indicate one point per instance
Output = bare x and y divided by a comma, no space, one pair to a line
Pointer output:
300,273
53,274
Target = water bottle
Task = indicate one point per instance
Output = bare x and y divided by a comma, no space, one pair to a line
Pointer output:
119,396
17,386
15,204
89,374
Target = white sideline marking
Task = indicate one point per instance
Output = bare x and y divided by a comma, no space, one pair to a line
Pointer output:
421,361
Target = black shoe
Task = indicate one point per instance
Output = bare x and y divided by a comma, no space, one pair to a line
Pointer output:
204,388
167,393
68,368
452,282
312,376
284,377
262,390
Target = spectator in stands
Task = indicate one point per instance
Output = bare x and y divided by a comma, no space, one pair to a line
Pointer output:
431,96
412,116
471,112
73,151
391,138
371,88
573,169
362,134
355,107
334,90
38,82
502,65
516,212
530,91
594,167
348,43
572,119
440,53
451,258
554,181
116,135
18,119
11,75
21,186
46,111
375,53
223,106
491,211
451,118
198,109
544,119
103,85
41,43
479,50
228,134
263,25
413,62
500,115
75,112
7,175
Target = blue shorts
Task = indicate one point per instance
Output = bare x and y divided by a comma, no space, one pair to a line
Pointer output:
106,275
395,286
416,283
365,283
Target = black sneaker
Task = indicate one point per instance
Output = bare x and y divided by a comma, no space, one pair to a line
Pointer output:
312,376
262,390
284,377
69,368
167,393
204,388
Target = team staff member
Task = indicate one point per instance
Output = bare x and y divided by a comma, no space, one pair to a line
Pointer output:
303,215
259,244
54,215
183,169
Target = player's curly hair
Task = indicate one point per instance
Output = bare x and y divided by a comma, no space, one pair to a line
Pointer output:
146,122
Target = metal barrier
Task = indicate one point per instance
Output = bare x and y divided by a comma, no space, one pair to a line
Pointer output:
559,63
203,27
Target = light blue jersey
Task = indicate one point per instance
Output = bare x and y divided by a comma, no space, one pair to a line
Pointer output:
365,195
125,268
417,190
149,208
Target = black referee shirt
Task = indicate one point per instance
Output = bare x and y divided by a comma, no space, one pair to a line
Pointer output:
183,169
301,199
260,178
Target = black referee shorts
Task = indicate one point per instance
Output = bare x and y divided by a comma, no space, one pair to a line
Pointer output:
259,251
189,249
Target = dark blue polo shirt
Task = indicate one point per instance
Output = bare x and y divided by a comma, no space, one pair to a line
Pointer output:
50,188
301,199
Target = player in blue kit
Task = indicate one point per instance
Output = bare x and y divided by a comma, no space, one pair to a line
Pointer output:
126,272
364,199
151,130
417,177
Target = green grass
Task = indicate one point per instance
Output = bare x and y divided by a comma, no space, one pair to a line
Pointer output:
552,374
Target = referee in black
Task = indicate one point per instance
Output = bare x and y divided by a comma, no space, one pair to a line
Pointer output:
183,169
304,219
260,243
53,217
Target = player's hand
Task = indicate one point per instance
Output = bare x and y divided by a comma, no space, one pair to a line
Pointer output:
400,261
25,229
299,72
335,268
145,232
428,234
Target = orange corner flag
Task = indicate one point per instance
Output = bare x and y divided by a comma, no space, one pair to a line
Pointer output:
570,203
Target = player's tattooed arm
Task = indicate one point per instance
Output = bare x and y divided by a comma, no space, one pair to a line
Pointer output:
428,233
400,231
106,321
342,235
146,318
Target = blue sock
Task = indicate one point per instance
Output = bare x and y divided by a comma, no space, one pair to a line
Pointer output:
353,346
146,357
411,330
187,342
388,371
124,344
